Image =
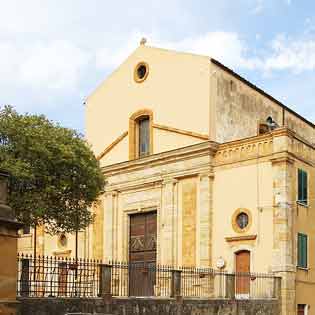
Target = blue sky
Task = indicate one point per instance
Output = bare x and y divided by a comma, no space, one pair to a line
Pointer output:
54,53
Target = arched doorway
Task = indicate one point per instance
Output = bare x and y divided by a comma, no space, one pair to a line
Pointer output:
242,269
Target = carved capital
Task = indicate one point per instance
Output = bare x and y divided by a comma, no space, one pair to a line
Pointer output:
282,158
169,180
209,175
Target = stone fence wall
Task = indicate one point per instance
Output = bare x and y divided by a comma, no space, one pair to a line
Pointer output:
146,306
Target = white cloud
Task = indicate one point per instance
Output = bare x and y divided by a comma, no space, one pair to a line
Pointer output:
225,46
48,65
259,7
54,65
295,55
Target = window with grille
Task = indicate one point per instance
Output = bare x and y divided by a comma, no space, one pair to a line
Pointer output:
302,187
302,250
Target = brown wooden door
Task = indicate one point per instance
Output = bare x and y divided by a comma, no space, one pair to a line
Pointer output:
242,274
142,254
301,309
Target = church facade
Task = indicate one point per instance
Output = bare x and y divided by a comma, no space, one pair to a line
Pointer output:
202,169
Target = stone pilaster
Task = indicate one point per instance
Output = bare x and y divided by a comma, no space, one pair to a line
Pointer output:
97,230
205,218
109,226
167,223
283,258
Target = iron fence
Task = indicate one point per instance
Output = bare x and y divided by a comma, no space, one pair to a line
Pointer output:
57,277
64,277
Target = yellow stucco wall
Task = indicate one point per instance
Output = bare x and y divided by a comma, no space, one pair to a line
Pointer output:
249,187
176,90
304,218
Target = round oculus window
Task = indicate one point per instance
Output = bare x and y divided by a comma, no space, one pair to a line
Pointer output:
141,72
242,220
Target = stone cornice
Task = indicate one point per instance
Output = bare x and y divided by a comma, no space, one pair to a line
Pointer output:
262,146
241,238
201,149
282,157
155,180
181,131
112,145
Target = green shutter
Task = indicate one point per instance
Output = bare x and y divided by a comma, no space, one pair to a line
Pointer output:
302,250
305,197
302,186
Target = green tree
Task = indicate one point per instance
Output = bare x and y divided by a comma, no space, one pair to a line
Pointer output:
55,177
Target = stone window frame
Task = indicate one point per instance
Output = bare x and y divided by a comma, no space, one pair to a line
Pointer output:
235,226
134,132
135,72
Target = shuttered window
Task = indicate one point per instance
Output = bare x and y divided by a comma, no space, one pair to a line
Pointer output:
302,187
144,137
302,250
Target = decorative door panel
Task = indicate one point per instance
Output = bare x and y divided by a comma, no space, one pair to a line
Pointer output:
142,254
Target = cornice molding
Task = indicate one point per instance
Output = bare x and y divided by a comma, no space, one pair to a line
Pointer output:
241,238
201,149
112,145
182,132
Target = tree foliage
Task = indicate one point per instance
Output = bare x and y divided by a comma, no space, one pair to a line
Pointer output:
55,177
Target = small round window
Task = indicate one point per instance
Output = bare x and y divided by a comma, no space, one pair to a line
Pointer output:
141,72
242,220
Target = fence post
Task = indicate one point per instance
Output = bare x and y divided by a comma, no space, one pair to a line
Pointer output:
277,288
25,277
105,281
176,284
230,286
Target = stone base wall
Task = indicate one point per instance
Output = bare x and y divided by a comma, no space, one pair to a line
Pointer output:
9,307
146,306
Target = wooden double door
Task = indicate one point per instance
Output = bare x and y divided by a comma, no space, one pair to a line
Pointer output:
142,254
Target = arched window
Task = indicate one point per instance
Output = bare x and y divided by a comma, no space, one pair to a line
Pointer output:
140,134
143,136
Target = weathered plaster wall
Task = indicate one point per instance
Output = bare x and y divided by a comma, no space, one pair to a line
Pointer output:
238,108
133,306
300,127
